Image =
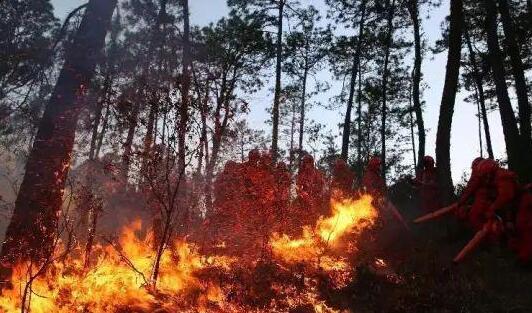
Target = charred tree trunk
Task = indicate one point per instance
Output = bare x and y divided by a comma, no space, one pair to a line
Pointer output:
277,95
509,123
35,219
185,85
480,92
416,80
385,74
346,132
450,88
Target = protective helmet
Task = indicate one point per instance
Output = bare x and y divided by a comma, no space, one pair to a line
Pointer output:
307,160
230,165
428,161
374,163
476,161
254,156
340,164
488,167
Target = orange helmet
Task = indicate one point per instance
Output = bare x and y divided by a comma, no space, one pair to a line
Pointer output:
487,167
230,165
254,156
307,160
340,164
428,161
476,161
374,163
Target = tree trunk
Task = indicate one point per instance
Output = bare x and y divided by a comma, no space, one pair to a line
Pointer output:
521,88
183,116
150,132
302,112
277,95
128,143
346,133
385,74
443,135
416,80
480,92
509,123
479,116
412,137
291,157
102,132
98,116
359,120
35,219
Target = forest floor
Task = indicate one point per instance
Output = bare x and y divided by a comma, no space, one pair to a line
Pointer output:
489,280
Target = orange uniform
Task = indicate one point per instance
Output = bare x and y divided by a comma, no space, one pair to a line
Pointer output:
427,182
343,178
524,226
372,182
310,186
495,189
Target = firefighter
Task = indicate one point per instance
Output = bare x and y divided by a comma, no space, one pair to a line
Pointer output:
343,179
282,194
474,189
427,184
372,182
310,187
523,241
500,189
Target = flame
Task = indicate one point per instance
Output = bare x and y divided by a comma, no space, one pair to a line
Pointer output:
349,216
119,279
112,284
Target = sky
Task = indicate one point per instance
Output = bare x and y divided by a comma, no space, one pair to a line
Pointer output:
464,135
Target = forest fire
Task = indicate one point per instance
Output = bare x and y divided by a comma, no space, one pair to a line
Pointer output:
119,279
348,217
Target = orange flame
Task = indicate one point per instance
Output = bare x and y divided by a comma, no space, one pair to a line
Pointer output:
349,216
119,280
112,284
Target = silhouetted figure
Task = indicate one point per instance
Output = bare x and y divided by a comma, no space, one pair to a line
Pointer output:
343,179
427,184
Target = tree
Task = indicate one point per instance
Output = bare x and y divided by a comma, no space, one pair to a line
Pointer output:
35,217
306,50
28,29
479,90
413,9
450,87
521,87
387,47
270,13
234,58
509,123
185,86
362,12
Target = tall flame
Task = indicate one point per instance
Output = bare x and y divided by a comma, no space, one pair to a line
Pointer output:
112,284
119,280
349,216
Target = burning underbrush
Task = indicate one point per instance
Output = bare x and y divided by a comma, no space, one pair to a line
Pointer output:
290,275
